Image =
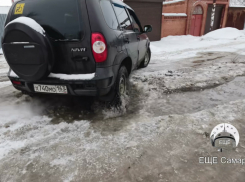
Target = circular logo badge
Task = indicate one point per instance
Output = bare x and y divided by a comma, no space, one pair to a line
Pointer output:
224,136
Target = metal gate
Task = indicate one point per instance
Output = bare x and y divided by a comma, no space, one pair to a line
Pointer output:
219,12
2,22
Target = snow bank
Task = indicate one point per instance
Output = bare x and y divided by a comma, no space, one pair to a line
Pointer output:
1,51
224,33
243,32
174,44
29,22
72,77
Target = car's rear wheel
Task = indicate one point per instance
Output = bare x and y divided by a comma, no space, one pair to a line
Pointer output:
122,82
146,60
119,89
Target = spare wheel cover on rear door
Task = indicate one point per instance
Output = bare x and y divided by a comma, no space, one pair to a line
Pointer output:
27,49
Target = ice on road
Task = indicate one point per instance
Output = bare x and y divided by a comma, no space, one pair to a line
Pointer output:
159,136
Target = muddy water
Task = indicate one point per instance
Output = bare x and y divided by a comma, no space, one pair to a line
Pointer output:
69,109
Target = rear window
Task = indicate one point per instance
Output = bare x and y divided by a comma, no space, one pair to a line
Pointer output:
123,18
109,14
59,18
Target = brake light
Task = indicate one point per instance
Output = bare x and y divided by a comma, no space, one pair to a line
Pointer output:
99,47
16,82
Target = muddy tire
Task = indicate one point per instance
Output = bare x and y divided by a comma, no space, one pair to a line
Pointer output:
113,99
147,59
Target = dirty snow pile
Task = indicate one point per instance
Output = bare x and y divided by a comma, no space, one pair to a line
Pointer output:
184,43
29,22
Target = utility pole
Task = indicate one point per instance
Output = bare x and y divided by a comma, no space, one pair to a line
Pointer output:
212,16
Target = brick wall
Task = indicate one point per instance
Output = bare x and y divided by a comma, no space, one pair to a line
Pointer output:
204,4
179,7
182,25
173,26
236,18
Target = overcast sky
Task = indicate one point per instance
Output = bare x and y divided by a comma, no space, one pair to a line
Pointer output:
5,3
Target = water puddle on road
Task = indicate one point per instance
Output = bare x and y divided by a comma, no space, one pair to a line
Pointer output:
142,103
68,110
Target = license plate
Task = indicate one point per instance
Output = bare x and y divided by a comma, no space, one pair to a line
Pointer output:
58,89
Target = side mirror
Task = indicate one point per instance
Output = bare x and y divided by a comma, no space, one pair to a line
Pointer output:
147,28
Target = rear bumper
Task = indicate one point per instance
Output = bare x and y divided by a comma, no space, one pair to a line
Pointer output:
100,85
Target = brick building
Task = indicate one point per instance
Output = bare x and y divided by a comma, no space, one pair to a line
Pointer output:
182,17
236,14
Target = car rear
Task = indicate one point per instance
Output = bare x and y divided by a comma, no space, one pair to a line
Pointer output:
78,51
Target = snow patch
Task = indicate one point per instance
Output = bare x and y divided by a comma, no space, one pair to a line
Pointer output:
8,146
61,161
13,74
20,42
173,43
181,46
174,14
1,51
72,77
224,33
5,3
4,84
237,4
29,22
171,2
4,9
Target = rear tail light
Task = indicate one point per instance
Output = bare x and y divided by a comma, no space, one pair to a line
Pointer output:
16,82
99,47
